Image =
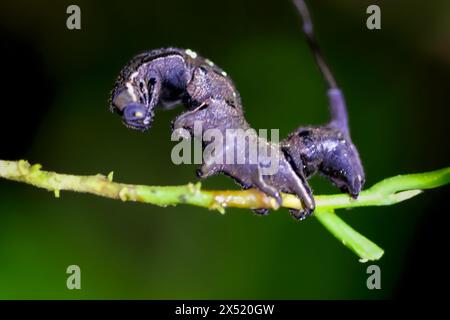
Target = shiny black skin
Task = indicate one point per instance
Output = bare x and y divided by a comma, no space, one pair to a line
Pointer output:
166,77
159,78
218,114
328,151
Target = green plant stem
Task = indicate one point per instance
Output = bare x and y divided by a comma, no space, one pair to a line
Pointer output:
389,191
363,247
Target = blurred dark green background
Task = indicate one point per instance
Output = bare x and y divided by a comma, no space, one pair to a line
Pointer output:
55,86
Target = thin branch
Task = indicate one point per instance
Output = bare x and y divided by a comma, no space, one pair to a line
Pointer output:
336,99
387,192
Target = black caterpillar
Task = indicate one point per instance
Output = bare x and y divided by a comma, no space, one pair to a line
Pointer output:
167,77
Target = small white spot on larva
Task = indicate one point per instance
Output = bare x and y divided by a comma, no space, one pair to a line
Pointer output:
209,62
234,94
133,75
359,177
191,53
130,91
224,73
330,145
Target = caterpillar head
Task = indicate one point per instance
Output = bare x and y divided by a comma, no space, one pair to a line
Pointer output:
135,101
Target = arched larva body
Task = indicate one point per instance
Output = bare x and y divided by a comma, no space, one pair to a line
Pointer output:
167,77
